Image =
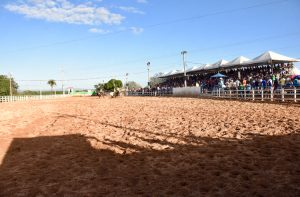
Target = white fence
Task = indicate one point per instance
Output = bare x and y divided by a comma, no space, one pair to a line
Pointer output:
28,98
282,95
287,94
151,93
187,91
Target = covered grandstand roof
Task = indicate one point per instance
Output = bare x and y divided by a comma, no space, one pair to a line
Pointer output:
173,72
193,68
218,64
199,68
267,58
237,61
206,67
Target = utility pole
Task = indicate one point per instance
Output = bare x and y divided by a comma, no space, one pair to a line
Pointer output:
40,89
148,68
184,66
10,85
126,85
62,82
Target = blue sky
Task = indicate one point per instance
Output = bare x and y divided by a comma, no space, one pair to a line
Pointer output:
105,38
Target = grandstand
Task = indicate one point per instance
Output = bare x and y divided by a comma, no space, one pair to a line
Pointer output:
269,76
268,59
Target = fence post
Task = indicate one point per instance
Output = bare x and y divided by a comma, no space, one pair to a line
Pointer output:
271,92
282,94
295,94
262,94
253,94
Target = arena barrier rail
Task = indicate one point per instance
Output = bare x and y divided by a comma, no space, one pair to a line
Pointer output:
151,93
283,94
4,99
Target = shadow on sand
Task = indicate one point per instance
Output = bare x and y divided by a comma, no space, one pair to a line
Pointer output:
69,166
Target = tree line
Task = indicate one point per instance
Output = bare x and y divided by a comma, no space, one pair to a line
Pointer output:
5,85
111,85
114,84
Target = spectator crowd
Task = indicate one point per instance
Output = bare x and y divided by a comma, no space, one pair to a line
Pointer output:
251,78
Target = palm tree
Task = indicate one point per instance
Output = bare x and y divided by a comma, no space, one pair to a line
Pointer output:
51,83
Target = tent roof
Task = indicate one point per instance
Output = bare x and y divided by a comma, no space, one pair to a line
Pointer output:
165,74
237,61
193,68
218,75
206,66
218,64
173,72
198,68
264,58
269,56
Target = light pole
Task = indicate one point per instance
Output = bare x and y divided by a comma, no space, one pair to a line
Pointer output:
183,61
40,89
148,68
10,86
62,81
126,85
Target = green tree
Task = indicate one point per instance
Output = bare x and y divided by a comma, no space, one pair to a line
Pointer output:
133,85
113,84
51,83
5,86
154,81
99,87
30,92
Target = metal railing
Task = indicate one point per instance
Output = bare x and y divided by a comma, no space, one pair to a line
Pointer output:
151,93
290,94
4,99
283,94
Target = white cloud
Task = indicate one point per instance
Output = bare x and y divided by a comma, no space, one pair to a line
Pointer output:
65,11
131,10
99,31
136,30
141,1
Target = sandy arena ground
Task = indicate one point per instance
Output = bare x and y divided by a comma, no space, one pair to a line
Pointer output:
149,147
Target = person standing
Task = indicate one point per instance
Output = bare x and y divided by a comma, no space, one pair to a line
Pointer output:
244,82
276,84
282,82
270,83
296,82
237,83
263,84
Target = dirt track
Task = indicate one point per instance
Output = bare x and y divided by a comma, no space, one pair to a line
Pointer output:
149,147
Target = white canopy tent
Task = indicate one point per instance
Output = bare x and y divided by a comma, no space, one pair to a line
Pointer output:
270,57
267,58
218,64
237,61
169,73
206,67
193,69
199,68
173,72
